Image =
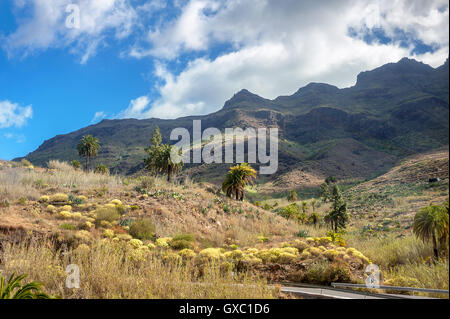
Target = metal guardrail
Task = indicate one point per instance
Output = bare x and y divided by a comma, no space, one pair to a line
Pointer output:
344,285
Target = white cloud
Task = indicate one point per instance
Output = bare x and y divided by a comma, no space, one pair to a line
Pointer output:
277,47
12,114
46,28
98,116
137,108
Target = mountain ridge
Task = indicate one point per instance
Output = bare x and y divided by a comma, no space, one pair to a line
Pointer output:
397,109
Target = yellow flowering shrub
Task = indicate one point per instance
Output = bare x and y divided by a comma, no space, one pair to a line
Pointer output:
163,242
44,199
116,202
314,251
77,215
151,246
331,254
251,251
67,208
234,254
108,233
211,253
83,235
286,258
82,198
135,243
137,255
88,224
300,244
82,249
305,255
402,281
105,224
59,198
125,237
290,250
355,253
324,240
65,214
187,253
51,208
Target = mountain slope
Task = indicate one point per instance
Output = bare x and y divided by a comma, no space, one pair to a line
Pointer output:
393,111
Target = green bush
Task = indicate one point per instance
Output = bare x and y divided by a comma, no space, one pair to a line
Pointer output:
75,164
180,244
67,226
102,169
106,214
187,237
142,229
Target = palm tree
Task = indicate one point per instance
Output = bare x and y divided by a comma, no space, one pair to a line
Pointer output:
88,147
314,218
337,217
13,289
305,207
164,161
313,204
431,223
238,177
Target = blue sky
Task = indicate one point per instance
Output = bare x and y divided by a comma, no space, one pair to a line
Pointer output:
140,59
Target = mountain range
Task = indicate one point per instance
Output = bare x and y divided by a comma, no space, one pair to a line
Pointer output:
396,110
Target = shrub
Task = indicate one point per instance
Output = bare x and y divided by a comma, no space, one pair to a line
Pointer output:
102,169
163,242
402,281
116,202
180,244
302,233
75,164
337,272
135,243
67,226
106,214
187,253
211,253
108,233
44,199
292,197
64,214
51,208
147,182
142,229
187,237
59,198
26,163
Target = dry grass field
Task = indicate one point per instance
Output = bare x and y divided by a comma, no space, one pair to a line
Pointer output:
123,233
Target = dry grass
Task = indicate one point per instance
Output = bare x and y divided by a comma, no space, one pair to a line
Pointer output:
107,272
30,183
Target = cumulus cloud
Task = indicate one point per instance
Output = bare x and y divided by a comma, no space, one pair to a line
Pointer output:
12,114
138,108
277,47
98,116
46,26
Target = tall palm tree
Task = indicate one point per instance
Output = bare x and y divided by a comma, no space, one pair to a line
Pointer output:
88,147
431,223
164,161
237,178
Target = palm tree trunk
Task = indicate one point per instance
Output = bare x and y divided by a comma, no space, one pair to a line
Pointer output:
87,161
169,174
435,250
